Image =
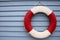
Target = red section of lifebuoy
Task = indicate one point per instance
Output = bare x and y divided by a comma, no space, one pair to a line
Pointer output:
27,21
52,19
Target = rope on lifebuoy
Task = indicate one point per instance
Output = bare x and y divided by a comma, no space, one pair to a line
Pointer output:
51,27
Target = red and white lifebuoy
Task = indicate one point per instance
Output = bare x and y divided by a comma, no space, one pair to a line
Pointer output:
51,27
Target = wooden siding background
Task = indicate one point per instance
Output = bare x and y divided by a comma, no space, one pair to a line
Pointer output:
12,16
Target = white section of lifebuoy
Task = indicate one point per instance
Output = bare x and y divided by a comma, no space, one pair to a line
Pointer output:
36,34
43,9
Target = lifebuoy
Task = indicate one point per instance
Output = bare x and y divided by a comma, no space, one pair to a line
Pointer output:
51,27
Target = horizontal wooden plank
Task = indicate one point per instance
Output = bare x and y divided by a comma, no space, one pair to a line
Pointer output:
28,38
22,23
22,34
20,29
19,3
50,2
25,8
24,0
19,14
30,3
21,19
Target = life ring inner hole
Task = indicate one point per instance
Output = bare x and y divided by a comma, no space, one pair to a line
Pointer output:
40,21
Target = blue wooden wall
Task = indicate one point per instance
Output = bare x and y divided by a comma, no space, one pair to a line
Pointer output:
12,16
